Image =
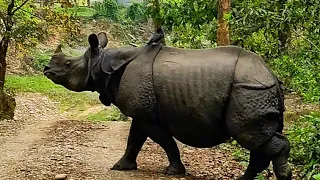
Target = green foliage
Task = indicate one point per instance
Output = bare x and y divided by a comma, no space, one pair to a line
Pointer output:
108,114
304,137
115,11
76,11
316,177
110,9
26,25
240,154
136,12
41,59
188,24
40,84
300,74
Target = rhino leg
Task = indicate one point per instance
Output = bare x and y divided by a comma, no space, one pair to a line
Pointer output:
275,150
258,162
162,136
134,144
278,148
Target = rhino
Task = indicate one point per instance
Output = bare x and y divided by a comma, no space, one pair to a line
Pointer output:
200,97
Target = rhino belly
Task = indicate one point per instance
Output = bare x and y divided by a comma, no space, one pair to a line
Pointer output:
192,87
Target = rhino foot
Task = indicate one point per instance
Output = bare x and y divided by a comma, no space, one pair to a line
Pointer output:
124,164
176,169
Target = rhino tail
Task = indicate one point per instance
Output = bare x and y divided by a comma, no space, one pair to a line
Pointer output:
282,107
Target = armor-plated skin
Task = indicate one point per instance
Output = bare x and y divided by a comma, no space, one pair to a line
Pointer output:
200,97
192,88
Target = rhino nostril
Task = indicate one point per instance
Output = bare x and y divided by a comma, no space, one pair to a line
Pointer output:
46,68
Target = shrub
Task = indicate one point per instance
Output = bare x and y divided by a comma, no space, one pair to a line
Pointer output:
304,137
109,9
300,74
136,12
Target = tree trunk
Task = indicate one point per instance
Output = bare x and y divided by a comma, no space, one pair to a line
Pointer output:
223,37
3,65
88,3
7,102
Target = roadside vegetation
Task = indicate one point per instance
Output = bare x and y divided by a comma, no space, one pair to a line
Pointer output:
284,33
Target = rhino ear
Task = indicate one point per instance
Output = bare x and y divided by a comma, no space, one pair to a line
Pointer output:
103,39
58,50
93,41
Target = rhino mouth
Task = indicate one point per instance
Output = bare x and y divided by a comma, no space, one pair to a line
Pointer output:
52,76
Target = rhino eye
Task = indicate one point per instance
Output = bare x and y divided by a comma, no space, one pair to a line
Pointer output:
67,64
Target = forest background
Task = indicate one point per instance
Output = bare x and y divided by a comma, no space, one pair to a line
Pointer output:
286,33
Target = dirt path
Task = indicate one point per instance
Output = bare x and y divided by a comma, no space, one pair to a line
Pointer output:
40,143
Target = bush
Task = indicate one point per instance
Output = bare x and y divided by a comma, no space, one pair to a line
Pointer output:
114,11
300,74
136,12
110,9
41,59
304,137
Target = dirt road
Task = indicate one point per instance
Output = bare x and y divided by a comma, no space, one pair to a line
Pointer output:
40,143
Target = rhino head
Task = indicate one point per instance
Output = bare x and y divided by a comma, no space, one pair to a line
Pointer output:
98,69
74,72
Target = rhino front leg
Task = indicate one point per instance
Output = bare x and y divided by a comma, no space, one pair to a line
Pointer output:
135,142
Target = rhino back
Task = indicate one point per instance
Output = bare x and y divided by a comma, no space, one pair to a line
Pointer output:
252,71
192,87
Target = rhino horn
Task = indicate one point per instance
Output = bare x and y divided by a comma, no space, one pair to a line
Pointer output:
58,49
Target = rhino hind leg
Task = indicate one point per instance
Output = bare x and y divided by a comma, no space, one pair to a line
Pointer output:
275,150
254,119
278,148
258,162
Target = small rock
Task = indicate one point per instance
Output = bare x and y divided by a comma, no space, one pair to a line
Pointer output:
61,177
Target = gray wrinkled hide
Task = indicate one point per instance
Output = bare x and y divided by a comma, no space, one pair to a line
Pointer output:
192,88
197,88
136,95
254,108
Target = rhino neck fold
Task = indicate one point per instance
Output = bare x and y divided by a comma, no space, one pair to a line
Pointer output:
112,87
105,71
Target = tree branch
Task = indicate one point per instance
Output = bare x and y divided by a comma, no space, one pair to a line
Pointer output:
10,7
19,7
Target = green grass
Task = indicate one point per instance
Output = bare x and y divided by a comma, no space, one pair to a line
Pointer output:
68,100
77,11
107,114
